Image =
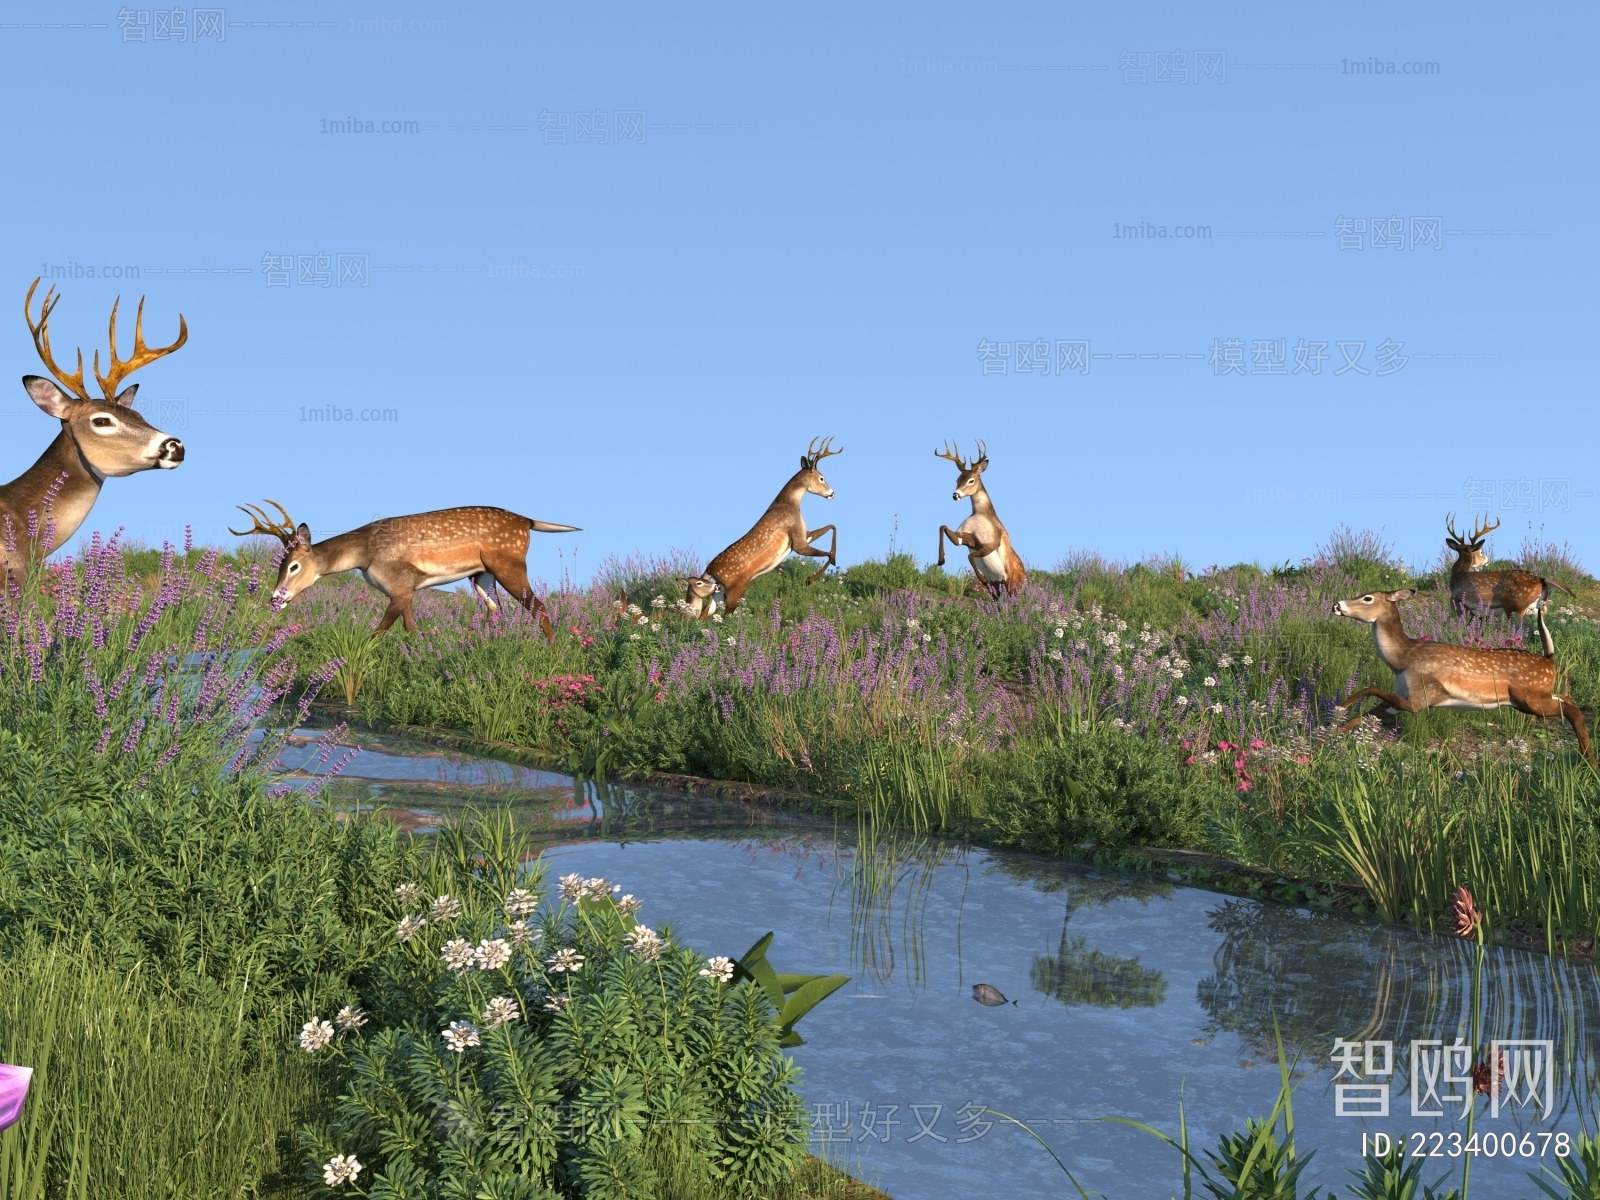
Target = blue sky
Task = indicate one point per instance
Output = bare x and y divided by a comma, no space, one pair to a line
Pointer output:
785,224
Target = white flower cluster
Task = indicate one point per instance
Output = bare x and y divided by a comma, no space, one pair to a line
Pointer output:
523,933
408,894
461,1036
520,902
492,954
350,1018
315,1034
575,887
445,908
566,959
645,943
457,954
340,1170
410,925
719,968
500,1011
629,904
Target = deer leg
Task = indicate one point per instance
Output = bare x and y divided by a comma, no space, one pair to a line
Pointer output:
1403,703
1574,716
483,584
955,540
733,596
811,550
399,609
1555,706
512,574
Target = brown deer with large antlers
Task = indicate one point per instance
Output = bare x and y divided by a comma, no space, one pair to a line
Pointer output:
1434,675
98,438
780,532
1516,593
398,555
994,560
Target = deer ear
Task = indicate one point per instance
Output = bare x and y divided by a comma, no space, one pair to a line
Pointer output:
980,466
302,535
49,397
1402,594
804,463
128,393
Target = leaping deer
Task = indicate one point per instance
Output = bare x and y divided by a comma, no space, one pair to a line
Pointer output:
994,560
398,555
1516,593
780,532
1435,675
98,438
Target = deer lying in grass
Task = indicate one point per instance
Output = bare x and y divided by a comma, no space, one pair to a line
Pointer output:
780,532
98,438
1435,675
1516,593
994,560
398,555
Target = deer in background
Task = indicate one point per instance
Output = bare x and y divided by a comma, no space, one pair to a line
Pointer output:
1516,593
398,555
1435,675
994,560
98,438
780,532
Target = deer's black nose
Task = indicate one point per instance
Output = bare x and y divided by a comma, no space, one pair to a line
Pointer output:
172,451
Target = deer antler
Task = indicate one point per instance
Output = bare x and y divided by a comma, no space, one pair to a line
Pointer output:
261,523
1450,527
41,341
953,457
1485,528
142,354
815,454
983,451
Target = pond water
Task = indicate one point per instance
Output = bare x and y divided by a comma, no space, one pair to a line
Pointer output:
1130,992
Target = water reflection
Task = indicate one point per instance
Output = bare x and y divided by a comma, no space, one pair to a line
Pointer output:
1325,979
883,868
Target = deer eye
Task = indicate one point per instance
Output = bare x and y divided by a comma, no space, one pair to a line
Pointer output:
1366,599
293,567
102,422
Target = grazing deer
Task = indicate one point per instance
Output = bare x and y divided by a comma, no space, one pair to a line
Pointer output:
1516,593
98,438
1435,675
398,555
994,560
780,532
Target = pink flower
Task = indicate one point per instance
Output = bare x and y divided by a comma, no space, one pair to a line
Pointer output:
1224,747
13,1091
1257,744
1189,760
1244,786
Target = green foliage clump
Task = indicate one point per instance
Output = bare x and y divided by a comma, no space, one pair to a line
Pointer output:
1105,787
562,1049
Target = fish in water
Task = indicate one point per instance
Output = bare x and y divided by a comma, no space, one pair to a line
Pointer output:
986,993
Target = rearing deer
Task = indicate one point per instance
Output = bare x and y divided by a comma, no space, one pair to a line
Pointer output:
1516,593
994,560
98,438
780,532
1435,675
398,555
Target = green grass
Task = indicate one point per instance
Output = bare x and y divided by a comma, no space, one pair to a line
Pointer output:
138,1093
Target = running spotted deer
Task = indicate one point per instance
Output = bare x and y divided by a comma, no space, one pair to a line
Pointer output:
1516,593
98,438
1435,675
780,532
994,560
398,555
